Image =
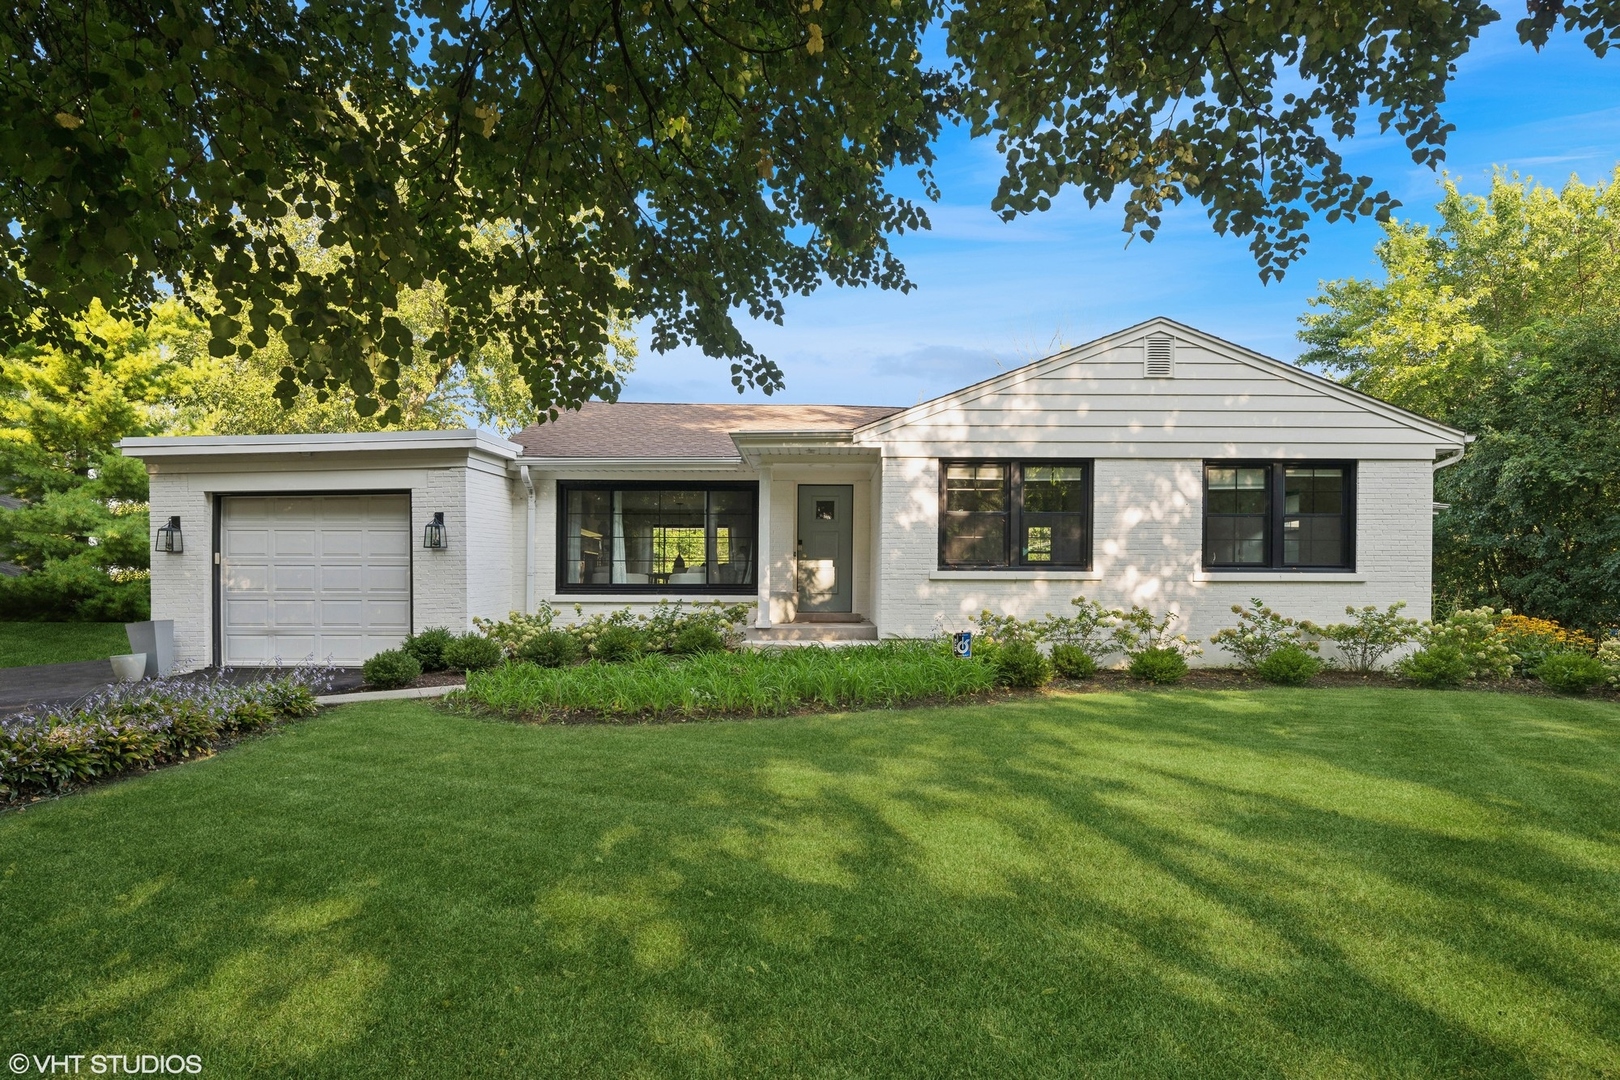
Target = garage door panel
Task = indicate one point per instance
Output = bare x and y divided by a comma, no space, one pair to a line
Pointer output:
392,543
343,613
321,576
396,579
246,543
293,577
241,578
388,614
342,543
247,614
293,543
293,613
295,648
343,579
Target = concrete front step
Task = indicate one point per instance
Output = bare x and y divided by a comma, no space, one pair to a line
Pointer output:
811,633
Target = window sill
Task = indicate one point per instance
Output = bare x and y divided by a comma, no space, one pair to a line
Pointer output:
1015,575
1321,577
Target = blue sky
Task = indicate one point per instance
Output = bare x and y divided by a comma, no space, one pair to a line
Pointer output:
992,295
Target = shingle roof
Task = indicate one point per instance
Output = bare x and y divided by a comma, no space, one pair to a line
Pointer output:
635,429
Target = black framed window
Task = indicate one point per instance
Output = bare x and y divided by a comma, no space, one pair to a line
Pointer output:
1288,515
1015,514
640,537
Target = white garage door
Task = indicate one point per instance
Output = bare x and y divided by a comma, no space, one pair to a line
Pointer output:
326,576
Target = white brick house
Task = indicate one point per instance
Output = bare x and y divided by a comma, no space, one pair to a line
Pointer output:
1156,466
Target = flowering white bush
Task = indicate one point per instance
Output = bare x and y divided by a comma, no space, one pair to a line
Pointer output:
1259,633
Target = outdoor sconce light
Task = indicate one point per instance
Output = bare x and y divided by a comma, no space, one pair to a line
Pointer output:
169,538
434,536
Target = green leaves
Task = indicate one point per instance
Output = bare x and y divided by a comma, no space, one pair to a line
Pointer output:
675,163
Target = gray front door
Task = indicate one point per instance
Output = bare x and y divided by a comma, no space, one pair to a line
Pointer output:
826,536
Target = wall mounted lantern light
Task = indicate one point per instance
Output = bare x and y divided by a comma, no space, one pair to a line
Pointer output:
434,535
169,538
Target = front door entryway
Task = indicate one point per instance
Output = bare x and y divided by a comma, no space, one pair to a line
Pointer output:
826,539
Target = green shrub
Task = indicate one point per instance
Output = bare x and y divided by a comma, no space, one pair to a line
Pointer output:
551,648
1608,654
1288,665
473,652
618,644
1019,664
1160,664
428,647
513,632
292,698
1369,636
1572,672
696,638
1439,665
1473,635
1073,662
391,669
139,725
1137,632
1259,633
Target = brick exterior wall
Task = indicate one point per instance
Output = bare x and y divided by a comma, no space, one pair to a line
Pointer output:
1147,550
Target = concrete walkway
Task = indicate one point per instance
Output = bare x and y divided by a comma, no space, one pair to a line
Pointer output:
63,684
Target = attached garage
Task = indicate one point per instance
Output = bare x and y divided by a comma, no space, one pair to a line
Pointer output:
302,576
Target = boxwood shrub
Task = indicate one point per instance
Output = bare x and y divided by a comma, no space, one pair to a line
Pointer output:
1571,672
428,647
551,649
391,669
473,652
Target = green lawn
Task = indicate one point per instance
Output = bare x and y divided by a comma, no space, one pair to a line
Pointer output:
1302,883
25,643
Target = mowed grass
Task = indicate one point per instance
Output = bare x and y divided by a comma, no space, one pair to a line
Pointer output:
1304,883
23,644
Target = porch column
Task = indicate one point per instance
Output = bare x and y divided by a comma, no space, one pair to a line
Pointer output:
762,560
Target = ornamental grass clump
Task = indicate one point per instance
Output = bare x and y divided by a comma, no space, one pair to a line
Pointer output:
1369,636
141,725
774,682
1259,633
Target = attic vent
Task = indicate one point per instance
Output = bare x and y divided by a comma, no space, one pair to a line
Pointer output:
1161,356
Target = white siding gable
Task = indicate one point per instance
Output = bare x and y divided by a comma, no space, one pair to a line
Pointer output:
1204,398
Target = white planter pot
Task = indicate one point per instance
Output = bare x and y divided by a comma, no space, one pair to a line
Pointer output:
129,667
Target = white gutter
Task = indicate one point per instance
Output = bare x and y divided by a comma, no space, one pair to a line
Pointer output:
1441,463
528,545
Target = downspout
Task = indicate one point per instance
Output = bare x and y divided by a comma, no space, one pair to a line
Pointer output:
528,544
1441,463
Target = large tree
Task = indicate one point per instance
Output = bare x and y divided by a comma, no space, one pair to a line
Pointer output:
675,160
1505,321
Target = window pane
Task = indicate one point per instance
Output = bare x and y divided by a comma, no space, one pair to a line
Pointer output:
1058,539
1054,489
731,526
976,488
587,529
1237,541
975,539
1316,540
1314,491
636,521
1234,490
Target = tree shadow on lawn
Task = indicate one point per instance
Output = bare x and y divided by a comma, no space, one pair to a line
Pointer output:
1136,884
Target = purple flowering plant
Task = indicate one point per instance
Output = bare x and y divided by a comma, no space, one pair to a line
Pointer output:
148,723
